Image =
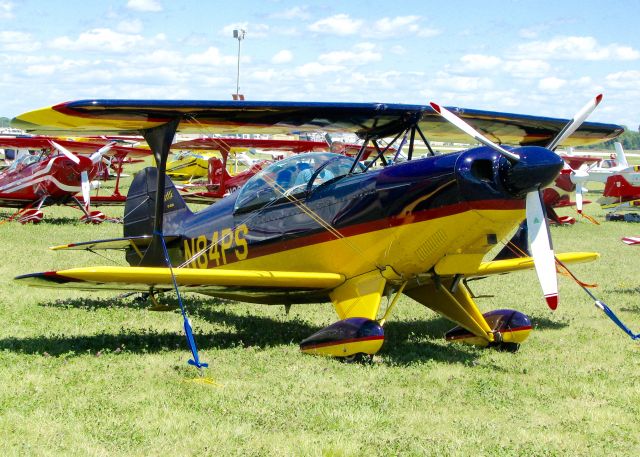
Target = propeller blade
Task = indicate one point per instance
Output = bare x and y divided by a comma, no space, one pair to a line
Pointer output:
576,122
97,156
541,250
462,125
579,199
64,151
579,177
86,189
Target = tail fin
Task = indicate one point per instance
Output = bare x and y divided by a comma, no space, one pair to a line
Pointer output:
139,207
617,186
621,158
217,173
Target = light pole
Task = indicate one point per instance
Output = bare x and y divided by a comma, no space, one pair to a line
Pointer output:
239,35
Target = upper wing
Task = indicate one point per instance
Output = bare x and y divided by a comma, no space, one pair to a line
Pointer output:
372,120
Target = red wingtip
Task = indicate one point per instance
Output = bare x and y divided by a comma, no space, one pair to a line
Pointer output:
598,98
552,301
436,107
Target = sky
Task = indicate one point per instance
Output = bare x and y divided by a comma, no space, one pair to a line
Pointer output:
533,57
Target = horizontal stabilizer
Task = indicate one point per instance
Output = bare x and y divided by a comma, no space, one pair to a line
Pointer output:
113,243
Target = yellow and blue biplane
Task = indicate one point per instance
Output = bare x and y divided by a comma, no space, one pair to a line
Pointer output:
324,227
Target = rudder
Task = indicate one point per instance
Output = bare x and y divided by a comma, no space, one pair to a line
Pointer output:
140,205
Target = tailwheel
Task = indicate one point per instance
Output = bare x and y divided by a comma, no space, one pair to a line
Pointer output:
157,306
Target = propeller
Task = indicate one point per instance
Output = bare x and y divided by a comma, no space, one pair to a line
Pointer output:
64,151
97,156
574,123
538,233
466,128
85,184
579,177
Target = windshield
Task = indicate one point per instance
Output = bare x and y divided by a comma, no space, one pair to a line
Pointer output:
292,176
22,161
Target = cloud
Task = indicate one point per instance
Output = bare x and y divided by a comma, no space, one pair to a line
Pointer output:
18,42
400,25
284,56
6,10
339,24
478,62
212,56
99,40
624,79
313,69
388,25
144,5
362,53
130,26
551,84
527,68
297,12
575,48
448,81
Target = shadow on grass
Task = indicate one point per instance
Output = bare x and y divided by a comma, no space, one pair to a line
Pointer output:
134,300
544,323
404,340
628,291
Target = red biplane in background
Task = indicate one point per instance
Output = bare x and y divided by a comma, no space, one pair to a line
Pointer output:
54,171
622,183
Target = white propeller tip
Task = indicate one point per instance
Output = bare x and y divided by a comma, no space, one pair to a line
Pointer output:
436,107
552,301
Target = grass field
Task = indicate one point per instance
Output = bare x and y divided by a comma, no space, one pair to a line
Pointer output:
93,374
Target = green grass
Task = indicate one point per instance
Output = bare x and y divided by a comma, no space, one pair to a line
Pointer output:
93,374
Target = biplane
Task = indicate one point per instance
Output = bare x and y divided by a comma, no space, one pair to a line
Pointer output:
622,183
323,227
622,191
58,171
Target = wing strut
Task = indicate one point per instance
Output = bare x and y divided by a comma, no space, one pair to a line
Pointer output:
411,142
426,142
159,140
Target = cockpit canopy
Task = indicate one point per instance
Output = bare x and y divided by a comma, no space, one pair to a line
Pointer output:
22,161
295,175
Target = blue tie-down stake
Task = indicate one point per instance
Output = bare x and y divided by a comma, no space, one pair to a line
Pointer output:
187,325
192,344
